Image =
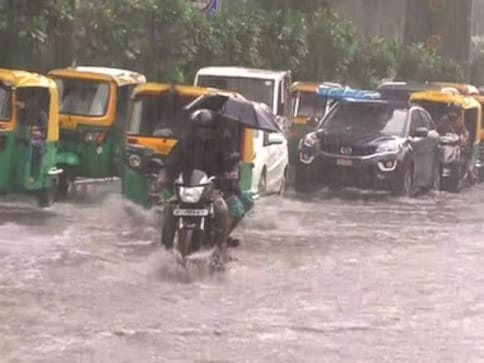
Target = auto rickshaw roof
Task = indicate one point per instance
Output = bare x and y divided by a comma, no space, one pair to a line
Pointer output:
19,79
465,89
466,102
241,72
157,88
121,77
405,86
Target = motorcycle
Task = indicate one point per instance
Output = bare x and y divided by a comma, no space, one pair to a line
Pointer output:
454,169
194,211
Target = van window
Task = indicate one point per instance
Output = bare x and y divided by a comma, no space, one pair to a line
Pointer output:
254,89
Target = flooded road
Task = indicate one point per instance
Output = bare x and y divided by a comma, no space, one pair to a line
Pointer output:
351,278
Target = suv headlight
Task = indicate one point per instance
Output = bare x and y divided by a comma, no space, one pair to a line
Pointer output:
190,195
309,140
389,147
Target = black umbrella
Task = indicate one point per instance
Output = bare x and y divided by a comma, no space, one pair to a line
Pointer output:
236,108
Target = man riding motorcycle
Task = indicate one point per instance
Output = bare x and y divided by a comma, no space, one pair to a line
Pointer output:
453,123
204,148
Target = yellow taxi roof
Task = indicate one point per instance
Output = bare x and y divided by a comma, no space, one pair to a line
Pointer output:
19,79
156,88
121,77
444,97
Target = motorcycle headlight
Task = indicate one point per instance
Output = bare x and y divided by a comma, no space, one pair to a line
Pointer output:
134,161
190,194
390,147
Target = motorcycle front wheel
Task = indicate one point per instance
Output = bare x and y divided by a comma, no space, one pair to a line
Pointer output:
185,242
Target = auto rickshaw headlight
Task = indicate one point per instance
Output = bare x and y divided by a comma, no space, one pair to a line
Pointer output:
90,137
134,161
94,137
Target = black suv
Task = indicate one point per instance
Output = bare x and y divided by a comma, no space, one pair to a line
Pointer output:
370,144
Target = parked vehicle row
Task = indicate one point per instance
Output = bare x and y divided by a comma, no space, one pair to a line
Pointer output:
96,122
105,122
393,140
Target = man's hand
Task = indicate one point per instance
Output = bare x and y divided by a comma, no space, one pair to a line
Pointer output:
163,179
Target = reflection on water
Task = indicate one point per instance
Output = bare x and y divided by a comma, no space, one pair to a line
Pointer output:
346,277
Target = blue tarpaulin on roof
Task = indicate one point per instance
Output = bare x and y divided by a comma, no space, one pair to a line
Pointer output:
347,93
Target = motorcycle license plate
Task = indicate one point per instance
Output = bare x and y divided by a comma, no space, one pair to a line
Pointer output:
344,162
446,172
190,212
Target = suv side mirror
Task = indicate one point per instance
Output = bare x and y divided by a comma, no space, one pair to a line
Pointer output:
275,138
420,132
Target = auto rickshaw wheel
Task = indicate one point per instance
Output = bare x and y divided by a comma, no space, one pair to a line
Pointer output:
46,197
65,182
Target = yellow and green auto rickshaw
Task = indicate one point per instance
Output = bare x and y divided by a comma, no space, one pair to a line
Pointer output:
308,107
158,119
29,133
437,103
94,104
480,99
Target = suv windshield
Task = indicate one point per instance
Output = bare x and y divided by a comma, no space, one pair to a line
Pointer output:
83,97
5,103
310,104
367,117
258,90
160,116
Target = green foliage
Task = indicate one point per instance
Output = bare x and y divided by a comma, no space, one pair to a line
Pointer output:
170,40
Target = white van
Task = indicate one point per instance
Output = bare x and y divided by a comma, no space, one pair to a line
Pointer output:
271,88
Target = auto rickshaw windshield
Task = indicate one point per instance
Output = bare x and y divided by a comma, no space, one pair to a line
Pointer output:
310,104
5,102
33,106
83,97
160,115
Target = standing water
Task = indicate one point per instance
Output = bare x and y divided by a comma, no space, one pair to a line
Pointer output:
347,278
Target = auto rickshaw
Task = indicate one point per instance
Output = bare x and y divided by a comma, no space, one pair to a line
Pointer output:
437,103
94,105
308,107
29,132
480,99
158,119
